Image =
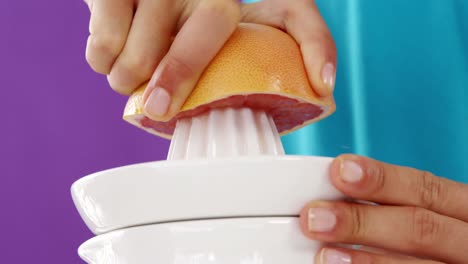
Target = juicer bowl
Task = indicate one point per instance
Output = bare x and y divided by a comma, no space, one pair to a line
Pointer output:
169,191
265,240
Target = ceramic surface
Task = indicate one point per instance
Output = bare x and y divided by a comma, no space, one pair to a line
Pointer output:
198,189
269,240
225,132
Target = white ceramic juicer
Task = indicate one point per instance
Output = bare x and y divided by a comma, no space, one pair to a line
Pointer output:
226,194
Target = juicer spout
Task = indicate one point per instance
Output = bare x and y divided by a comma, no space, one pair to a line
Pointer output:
225,132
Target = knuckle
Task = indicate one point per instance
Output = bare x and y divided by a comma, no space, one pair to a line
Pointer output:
378,175
425,228
107,45
358,223
430,189
130,71
92,61
176,66
137,66
223,9
174,71
117,85
288,11
97,63
114,83
120,81
322,42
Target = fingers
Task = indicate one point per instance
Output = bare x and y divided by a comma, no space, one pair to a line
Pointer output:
147,43
196,44
347,256
306,25
410,230
109,25
371,180
303,21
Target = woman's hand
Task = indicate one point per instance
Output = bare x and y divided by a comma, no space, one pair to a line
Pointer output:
419,215
172,41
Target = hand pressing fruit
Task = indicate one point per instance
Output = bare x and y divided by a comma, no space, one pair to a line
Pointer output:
171,42
421,218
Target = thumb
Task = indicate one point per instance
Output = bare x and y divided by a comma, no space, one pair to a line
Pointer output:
307,26
196,44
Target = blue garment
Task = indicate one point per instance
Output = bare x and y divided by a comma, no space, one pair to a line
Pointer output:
401,89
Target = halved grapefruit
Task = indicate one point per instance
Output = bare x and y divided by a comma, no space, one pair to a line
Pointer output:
259,67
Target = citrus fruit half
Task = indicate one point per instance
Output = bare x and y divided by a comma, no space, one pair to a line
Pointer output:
260,67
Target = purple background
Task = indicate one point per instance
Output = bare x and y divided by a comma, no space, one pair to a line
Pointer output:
60,121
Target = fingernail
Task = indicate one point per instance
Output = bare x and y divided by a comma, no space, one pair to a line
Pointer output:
328,75
321,220
158,102
350,171
332,256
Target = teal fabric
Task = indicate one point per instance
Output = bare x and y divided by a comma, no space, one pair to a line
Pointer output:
401,89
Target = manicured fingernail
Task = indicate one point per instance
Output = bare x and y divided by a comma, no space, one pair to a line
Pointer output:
333,256
329,75
158,102
321,220
350,171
